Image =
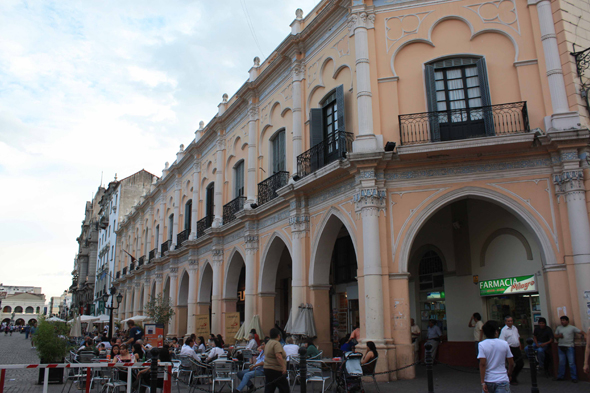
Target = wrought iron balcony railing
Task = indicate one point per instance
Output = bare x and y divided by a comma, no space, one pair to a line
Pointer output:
182,237
166,246
457,124
333,148
124,272
203,224
131,267
267,189
152,254
230,209
140,261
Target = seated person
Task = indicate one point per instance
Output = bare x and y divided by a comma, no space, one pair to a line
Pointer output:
216,351
188,349
369,355
290,348
252,343
144,375
312,350
201,347
255,370
542,337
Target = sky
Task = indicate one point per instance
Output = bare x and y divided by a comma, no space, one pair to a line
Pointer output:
90,89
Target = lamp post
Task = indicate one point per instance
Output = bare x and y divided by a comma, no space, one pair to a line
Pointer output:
111,308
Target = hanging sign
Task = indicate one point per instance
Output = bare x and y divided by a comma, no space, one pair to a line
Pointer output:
508,286
232,325
202,325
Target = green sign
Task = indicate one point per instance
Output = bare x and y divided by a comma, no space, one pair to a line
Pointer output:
508,286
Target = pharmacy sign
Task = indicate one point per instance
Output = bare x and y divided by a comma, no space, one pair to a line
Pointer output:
508,286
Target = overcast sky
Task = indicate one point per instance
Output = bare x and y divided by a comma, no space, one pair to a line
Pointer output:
91,87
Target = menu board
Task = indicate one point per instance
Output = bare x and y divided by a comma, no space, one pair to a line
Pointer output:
232,325
202,325
154,334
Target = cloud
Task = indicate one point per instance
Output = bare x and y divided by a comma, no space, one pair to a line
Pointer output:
106,87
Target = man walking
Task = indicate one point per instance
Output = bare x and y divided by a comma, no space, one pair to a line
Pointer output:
493,354
433,337
510,334
565,336
275,364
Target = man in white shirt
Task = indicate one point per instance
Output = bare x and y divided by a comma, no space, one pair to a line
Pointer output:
290,348
510,334
187,349
252,343
433,337
492,355
215,352
415,331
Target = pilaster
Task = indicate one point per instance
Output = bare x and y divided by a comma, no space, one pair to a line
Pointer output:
298,73
195,207
218,197
251,245
177,188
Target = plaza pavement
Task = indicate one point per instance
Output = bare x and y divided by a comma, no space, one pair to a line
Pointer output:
17,350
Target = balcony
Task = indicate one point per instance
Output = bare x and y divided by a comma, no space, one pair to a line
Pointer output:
230,209
182,237
140,261
131,267
166,246
458,124
118,275
267,189
152,254
333,148
203,224
124,271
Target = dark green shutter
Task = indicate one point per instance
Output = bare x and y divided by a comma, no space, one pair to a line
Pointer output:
486,100
316,126
431,101
340,104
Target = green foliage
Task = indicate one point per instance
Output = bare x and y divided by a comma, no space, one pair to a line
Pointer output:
51,340
159,309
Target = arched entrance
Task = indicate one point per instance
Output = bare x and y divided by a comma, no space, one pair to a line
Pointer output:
235,285
460,251
274,288
205,292
6,321
182,304
19,322
333,281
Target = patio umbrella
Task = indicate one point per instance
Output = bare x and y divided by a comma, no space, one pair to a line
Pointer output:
85,319
137,318
103,318
304,323
310,322
299,327
242,333
289,324
55,319
76,329
255,324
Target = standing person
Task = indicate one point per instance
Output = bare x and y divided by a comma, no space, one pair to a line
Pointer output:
135,333
27,330
542,337
433,337
355,336
275,364
587,354
416,332
476,323
493,354
565,337
33,332
510,334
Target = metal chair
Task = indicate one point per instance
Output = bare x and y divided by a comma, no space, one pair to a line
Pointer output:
315,373
369,370
223,374
186,367
202,373
114,383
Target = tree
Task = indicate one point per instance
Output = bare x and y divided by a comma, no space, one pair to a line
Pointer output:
159,309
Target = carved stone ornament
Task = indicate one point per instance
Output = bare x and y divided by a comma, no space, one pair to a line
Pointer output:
370,198
217,255
298,70
220,144
361,20
299,223
193,264
197,166
173,270
159,277
253,112
570,182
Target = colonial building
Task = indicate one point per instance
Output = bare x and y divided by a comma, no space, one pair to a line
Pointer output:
20,308
83,274
119,197
391,159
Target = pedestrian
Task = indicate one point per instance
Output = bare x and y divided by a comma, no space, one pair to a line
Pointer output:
27,331
433,337
416,332
493,354
135,333
543,338
6,330
476,323
275,364
510,334
565,337
33,331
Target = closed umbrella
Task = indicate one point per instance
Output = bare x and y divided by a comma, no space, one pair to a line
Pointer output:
299,326
76,329
255,324
242,334
289,324
310,322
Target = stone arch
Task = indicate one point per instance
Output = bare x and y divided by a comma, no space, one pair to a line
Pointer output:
182,296
29,310
233,268
423,249
500,232
270,261
519,211
205,283
7,309
319,270
501,32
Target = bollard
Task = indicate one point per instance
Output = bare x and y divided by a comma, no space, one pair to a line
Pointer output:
428,360
302,369
533,363
154,371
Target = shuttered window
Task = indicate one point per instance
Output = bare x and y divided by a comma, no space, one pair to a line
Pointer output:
239,179
329,118
279,160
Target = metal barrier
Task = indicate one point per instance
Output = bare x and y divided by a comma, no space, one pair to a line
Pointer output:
89,367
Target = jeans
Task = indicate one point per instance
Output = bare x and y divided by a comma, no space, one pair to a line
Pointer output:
275,379
540,354
569,352
434,344
498,387
245,375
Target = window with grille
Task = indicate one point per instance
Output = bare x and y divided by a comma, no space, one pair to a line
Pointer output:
431,272
188,210
279,159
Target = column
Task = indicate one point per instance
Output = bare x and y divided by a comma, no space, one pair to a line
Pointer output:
195,208
141,236
146,293
571,183
359,22
216,314
128,302
298,70
299,222
218,198
562,118
251,185
399,290
369,202
251,241
193,273
161,233
177,187
159,278
173,289
137,299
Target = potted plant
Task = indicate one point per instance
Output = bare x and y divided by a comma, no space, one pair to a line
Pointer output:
52,346
159,310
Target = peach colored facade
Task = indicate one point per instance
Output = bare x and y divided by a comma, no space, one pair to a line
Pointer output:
492,192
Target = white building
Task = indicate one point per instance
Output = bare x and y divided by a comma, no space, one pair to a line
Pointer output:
14,289
22,308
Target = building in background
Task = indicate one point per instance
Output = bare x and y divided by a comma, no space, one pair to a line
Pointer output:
119,197
59,306
21,305
13,289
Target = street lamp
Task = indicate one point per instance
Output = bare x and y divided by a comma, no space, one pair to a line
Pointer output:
111,308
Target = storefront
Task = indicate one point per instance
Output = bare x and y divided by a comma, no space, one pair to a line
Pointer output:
514,296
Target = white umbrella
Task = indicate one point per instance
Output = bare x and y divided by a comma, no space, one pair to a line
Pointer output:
55,319
289,324
103,318
76,329
242,333
255,324
304,323
86,319
310,322
299,327
137,318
